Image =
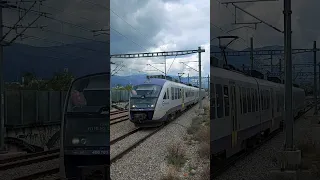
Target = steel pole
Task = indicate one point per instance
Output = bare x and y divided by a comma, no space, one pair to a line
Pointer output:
251,54
315,76
200,99
288,83
319,80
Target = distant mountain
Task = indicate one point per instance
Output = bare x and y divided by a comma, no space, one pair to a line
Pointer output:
263,63
87,58
80,59
139,79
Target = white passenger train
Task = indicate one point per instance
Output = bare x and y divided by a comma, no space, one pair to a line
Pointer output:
244,108
158,100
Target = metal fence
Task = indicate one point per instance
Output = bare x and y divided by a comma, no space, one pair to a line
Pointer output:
120,96
29,107
33,107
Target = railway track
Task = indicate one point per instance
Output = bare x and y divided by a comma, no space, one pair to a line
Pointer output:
226,165
119,116
124,136
28,159
40,174
141,140
137,143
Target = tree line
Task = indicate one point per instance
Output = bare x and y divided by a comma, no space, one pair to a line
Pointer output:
59,82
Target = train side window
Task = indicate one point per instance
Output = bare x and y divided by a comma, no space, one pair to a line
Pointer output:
172,93
268,99
165,95
177,93
244,100
213,102
240,97
219,96
278,102
262,100
249,99
226,101
257,100
253,101
168,94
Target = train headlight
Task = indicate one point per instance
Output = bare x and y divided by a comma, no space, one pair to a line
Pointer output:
151,105
75,141
133,106
83,141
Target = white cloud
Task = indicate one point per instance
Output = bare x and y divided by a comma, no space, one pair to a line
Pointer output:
162,26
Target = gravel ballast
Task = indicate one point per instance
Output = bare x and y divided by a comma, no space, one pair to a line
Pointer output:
262,161
148,160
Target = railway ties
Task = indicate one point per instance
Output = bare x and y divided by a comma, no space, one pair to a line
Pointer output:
16,168
132,139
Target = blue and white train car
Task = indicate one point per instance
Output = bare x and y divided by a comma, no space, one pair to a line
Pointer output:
244,108
158,100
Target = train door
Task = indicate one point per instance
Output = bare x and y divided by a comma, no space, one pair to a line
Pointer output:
165,102
233,114
272,106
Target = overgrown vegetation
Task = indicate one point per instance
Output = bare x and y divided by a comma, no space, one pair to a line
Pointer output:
176,155
59,82
198,137
120,87
172,175
310,158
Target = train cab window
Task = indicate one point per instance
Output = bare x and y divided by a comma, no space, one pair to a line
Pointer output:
219,96
253,101
165,95
249,99
244,100
226,100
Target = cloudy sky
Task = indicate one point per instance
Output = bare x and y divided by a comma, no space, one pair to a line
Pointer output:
160,25
62,22
304,27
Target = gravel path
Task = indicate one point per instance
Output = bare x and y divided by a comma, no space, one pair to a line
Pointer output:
148,160
259,164
26,170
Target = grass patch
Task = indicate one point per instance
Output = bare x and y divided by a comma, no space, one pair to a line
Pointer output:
195,125
205,175
310,158
176,155
204,150
203,134
171,175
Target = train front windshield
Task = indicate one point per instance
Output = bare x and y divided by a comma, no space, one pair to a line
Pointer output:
88,95
144,96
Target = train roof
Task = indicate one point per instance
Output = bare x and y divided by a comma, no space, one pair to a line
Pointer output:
238,76
161,82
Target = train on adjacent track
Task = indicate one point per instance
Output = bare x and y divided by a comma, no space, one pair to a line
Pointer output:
85,128
159,100
244,109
